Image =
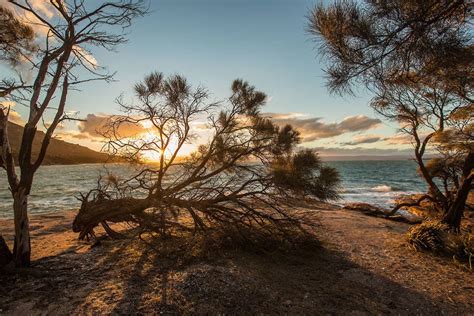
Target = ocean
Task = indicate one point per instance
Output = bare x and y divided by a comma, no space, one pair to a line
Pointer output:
377,182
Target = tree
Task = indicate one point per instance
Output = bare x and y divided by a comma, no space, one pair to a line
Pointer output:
417,58
60,63
237,181
434,116
16,41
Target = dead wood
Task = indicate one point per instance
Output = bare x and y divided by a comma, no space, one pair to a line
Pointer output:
375,211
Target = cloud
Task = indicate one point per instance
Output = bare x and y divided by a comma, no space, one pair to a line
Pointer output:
399,139
13,116
363,139
313,128
73,135
360,151
7,104
86,56
60,125
16,118
95,125
42,7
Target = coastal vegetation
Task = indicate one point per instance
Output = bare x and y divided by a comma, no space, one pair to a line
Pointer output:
219,207
416,59
240,183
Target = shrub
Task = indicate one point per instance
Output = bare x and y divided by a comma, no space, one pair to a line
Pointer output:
429,235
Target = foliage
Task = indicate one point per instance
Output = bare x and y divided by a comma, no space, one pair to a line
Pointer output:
371,42
16,38
304,173
417,58
16,46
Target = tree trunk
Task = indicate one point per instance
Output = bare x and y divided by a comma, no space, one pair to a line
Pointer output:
22,246
438,196
5,253
454,214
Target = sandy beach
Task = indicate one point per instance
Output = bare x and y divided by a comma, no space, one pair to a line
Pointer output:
361,265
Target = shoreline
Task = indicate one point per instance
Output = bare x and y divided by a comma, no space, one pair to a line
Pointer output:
361,264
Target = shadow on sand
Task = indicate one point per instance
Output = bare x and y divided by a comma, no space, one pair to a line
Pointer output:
133,277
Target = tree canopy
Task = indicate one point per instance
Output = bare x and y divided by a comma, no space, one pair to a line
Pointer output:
417,58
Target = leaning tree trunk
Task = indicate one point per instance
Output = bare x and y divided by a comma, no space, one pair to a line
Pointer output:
22,246
440,201
5,253
454,214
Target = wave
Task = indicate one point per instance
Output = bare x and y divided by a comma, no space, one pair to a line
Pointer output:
383,188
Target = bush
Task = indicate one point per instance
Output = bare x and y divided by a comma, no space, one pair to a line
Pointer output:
429,235
436,237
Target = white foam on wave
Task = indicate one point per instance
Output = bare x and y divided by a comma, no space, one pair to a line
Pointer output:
382,188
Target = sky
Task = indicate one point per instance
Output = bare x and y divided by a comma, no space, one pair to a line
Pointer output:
213,42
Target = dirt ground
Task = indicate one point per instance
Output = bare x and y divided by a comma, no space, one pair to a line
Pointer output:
361,265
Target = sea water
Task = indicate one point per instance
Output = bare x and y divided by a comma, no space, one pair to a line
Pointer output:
56,188
378,182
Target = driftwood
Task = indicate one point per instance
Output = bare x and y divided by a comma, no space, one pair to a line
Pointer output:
372,210
410,204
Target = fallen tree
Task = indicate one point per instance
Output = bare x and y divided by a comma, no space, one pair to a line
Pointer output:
237,181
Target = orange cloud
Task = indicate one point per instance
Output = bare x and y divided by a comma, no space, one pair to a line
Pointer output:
96,125
363,139
13,116
312,129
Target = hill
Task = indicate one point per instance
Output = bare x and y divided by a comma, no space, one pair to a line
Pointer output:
59,152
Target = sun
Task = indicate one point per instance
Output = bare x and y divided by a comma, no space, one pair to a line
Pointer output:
153,156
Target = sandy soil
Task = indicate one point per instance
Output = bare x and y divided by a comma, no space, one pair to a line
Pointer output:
361,265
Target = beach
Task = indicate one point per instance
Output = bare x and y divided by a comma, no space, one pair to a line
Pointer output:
360,265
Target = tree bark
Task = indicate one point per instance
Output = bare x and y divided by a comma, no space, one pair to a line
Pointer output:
22,246
5,254
454,214
438,196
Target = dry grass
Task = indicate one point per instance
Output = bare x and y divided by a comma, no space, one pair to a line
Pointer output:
435,236
429,235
